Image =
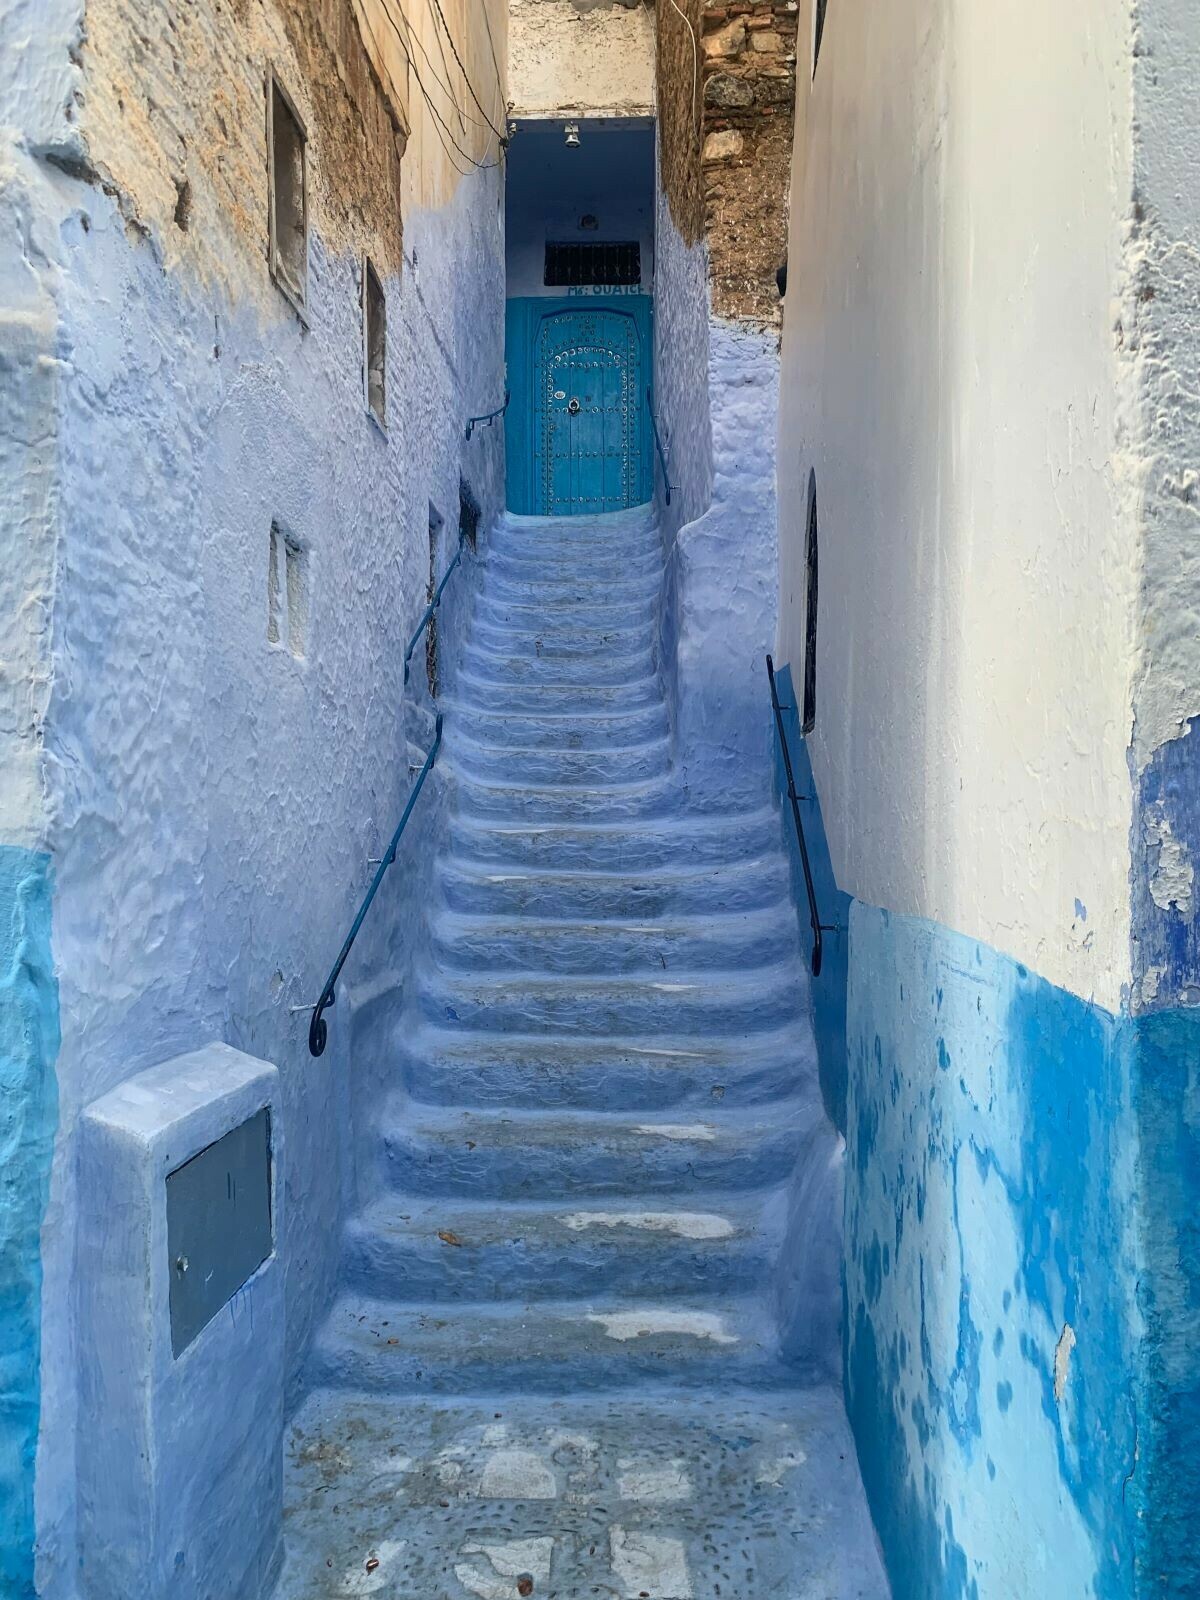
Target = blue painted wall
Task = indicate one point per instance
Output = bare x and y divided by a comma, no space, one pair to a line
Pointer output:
1022,1221
28,1109
1166,1065
991,1264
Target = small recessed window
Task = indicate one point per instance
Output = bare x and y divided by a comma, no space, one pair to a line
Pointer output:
818,31
809,719
375,343
287,592
436,523
468,513
287,183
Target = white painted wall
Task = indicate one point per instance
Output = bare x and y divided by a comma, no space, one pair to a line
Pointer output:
579,55
961,190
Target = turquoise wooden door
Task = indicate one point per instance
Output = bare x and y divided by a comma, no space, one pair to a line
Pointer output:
588,413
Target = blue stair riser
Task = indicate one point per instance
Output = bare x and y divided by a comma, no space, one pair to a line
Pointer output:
487,694
557,591
470,944
555,643
532,613
595,1164
576,768
667,1084
393,1369
526,730
721,849
587,1260
671,1004
507,667
478,798
518,888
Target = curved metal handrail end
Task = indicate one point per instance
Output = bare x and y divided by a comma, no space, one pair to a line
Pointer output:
819,928
488,416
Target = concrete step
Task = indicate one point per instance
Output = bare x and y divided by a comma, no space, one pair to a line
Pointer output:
521,1155
546,1347
550,803
564,641
580,727
722,941
640,565
670,1004
527,583
504,665
518,890
521,1073
406,1248
487,694
587,769
536,612
650,846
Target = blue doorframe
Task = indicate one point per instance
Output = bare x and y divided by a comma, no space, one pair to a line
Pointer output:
525,320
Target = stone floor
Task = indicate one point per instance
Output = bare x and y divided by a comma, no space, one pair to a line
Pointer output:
665,1498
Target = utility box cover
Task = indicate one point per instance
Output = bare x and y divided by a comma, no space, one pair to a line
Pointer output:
180,1465
218,1224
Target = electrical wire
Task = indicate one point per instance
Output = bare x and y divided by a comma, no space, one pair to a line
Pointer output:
414,38
695,66
442,128
500,134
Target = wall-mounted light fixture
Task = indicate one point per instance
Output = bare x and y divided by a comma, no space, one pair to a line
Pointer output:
571,134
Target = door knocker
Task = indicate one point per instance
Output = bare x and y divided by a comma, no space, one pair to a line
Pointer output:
573,406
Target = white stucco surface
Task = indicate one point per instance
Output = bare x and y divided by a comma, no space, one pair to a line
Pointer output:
1160,320
586,56
951,370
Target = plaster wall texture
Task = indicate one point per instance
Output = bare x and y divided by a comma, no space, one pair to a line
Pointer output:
212,798
978,578
681,334
720,586
581,56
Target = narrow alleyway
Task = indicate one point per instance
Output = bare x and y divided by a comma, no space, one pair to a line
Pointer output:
554,1366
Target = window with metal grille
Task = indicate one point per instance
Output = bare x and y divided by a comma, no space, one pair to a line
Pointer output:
615,264
809,717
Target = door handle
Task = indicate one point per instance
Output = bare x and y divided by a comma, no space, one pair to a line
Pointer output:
573,406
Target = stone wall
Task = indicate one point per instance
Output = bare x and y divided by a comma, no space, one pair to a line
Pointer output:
727,91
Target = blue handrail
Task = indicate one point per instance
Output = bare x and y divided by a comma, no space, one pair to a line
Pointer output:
427,614
819,928
318,1031
489,416
658,445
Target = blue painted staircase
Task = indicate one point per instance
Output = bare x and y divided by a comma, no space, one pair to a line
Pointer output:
605,1081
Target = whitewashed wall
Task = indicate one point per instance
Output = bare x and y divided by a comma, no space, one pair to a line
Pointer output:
953,370
582,56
